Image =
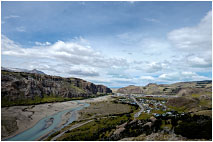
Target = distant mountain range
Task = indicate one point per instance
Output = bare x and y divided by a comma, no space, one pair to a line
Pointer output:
22,70
168,89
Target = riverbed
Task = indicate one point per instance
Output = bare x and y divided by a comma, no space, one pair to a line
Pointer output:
36,121
46,125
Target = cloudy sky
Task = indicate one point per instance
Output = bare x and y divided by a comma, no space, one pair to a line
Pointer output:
111,43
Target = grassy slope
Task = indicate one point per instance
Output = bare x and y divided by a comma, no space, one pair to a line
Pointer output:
107,115
94,130
39,100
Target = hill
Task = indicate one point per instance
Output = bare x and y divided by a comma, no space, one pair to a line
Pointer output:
180,88
22,88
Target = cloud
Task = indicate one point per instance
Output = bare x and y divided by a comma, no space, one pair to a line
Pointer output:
152,20
123,58
11,16
193,46
196,61
147,78
155,67
21,29
150,66
181,76
131,2
42,44
194,38
83,57
83,72
9,47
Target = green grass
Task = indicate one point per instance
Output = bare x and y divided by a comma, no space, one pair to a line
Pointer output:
63,129
158,111
205,103
178,109
144,116
37,100
204,112
153,98
105,108
163,125
195,95
95,130
102,126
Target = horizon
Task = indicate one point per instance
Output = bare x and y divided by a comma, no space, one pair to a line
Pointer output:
111,43
121,86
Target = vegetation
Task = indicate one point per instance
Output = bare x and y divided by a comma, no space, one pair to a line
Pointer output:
153,98
95,130
178,109
5,102
144,116
196,127
166,124
106,123
107,108
204,112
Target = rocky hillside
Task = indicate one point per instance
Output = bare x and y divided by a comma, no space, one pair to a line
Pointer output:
22,70
180,88
20,86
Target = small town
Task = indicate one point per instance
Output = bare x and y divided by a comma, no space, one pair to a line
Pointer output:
149,105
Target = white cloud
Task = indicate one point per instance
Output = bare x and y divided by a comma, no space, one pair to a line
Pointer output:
152,20
80,72
152,60
155,67
84,60
42,44
131,2
181,76
9,47
194,38
147,78
11,16
150,66
196,61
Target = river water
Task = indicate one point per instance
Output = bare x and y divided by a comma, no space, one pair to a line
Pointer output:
41,128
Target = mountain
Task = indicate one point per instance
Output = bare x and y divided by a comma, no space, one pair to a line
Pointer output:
22,70
28,88
180,88
36,71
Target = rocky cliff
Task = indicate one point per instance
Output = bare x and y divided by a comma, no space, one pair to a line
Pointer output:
24,86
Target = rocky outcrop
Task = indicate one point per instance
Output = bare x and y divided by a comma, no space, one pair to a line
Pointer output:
22,85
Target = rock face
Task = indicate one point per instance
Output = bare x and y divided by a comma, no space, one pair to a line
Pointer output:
180,88
22,85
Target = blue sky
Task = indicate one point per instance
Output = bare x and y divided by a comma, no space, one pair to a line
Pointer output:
111,43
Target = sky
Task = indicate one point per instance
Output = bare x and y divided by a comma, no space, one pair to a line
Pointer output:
111,43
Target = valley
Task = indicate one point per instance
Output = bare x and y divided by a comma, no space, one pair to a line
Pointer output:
106,70
118,118
86,111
